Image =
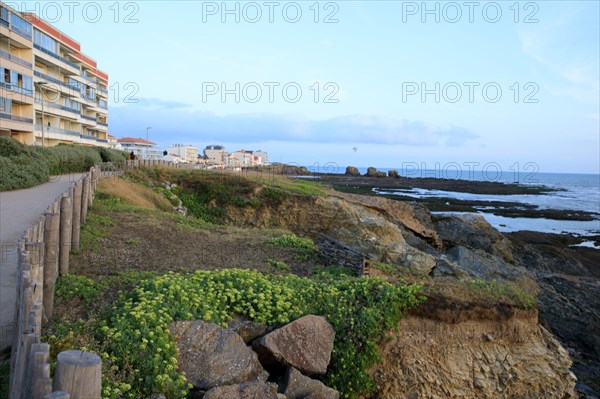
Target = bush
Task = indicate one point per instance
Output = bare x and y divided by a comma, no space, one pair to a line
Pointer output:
24,166
142,355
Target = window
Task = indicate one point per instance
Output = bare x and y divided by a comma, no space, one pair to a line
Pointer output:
5,105
4,14
20,26
6,75
45,41
72,104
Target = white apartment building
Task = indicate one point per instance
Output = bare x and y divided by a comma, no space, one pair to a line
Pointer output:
187,153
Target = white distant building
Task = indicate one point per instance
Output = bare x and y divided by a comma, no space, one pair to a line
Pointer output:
263,157
172,158
215,155
187,153
141,148
245,158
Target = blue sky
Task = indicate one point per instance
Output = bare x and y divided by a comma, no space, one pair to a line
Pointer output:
368,64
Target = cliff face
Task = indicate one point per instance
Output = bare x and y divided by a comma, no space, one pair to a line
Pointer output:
444,350
496,356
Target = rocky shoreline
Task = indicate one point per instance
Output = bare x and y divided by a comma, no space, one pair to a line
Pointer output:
394,187
568,274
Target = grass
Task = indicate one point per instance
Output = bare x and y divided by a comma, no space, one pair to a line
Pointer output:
134,194
279,266
93,231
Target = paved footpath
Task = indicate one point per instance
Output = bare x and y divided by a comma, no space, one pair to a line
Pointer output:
19,210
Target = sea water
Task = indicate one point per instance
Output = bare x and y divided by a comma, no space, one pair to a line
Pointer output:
578,192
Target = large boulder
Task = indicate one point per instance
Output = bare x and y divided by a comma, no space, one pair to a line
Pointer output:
472,231
212,356
247,390
371,172
352,171
393,173
297,386
305,343
482,265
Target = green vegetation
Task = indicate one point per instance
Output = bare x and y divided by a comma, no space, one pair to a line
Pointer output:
140,356
280,266
72,285
23,166
207,194
504,292
95,228
4,379
305,247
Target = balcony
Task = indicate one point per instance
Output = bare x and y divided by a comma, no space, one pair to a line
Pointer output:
56,56
54,80
89,118
102,123
16,89
4,23
88,78
15,118
57,106
103,91
16,60
58,130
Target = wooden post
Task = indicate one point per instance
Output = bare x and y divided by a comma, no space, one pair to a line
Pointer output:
66,215
52,242
40,384
85,197
76,221
79,373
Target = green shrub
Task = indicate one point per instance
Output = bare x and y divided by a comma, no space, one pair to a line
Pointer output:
25,166
72,285
143,355
293,241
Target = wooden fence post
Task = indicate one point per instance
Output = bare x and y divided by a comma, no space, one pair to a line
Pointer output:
51,241
85,197
40,383
79,373
76,225
66,230
58,395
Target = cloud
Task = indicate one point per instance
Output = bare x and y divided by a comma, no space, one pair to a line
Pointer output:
177,122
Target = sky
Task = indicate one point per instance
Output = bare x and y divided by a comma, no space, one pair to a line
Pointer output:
513,84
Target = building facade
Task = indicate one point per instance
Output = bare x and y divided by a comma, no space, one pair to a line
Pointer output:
50,92
141,148
215,155
186,153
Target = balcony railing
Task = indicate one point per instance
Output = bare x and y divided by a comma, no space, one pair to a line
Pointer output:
16,89
16,60
21,32
58,106
15,118
101,90
103,106
58,130
89,118
4,23
102,123
88,78
54,80
58,57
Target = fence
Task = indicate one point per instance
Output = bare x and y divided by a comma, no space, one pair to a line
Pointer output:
43,256
335,253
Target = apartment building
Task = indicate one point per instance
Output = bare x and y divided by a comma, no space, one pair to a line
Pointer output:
50,92
215,154
141,148
186,153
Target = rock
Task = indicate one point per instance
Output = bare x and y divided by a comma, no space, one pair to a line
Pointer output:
212,356
472,231
481,265
281,396
380,174
371,172
297,386
246,329
393,173
352,171
247,390
305,343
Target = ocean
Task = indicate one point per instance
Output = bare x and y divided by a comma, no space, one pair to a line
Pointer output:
581,193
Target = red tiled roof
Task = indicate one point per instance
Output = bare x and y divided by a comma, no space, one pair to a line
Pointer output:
135,140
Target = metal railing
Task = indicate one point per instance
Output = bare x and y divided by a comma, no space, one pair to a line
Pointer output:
58,106
15,59
54,80
21,32
58,57
58,130
102,123
89,118
15,118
